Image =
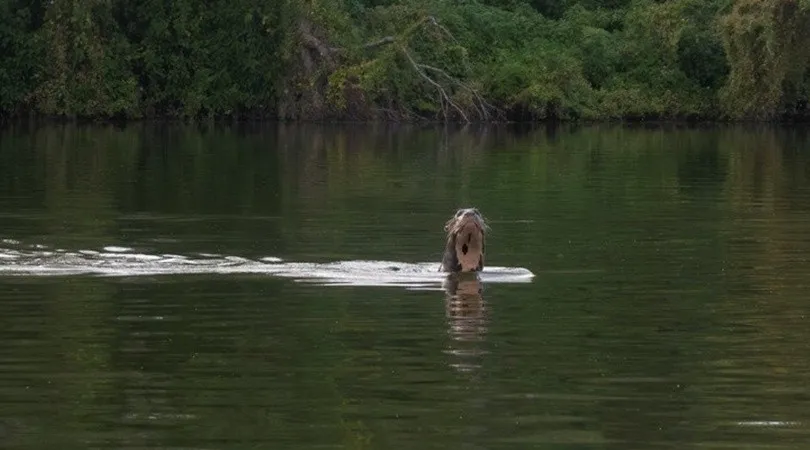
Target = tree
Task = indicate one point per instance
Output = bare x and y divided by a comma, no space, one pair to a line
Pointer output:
21,56
766,42
87,71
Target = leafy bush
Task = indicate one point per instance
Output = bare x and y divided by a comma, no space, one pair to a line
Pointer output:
406,59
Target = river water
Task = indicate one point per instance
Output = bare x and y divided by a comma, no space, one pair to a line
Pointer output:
275,286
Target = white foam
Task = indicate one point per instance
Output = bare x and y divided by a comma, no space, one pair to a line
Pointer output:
115,249
123,262
767,423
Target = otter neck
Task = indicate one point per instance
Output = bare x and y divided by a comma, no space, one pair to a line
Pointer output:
466,251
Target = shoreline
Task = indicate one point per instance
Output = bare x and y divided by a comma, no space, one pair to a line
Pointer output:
269,120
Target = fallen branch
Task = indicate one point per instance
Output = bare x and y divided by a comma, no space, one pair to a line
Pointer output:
482,105
442,93
379,42
369,45
435,23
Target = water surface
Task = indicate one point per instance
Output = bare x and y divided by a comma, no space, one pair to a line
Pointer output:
667,306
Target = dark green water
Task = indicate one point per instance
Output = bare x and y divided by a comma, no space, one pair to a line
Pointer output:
668,309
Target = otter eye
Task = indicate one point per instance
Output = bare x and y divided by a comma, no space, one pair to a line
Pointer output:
459,212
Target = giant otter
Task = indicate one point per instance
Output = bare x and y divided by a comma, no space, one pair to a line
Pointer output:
464,251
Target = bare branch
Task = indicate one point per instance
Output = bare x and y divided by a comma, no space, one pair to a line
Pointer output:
369,45
482,111
442,92
379,42
482,105
432,20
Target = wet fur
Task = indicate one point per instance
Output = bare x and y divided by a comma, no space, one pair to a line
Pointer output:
471,229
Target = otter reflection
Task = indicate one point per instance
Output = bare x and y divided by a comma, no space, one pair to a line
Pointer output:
467,320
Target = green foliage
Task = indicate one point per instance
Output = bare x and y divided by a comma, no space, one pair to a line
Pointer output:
423,68
600,56
406,59
87,71
649,79
701,57
21,53
544,82
211,59
767,45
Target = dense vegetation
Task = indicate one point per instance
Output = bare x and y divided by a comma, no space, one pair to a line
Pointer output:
464,60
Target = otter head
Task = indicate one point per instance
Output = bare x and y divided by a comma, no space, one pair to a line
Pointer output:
464,251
